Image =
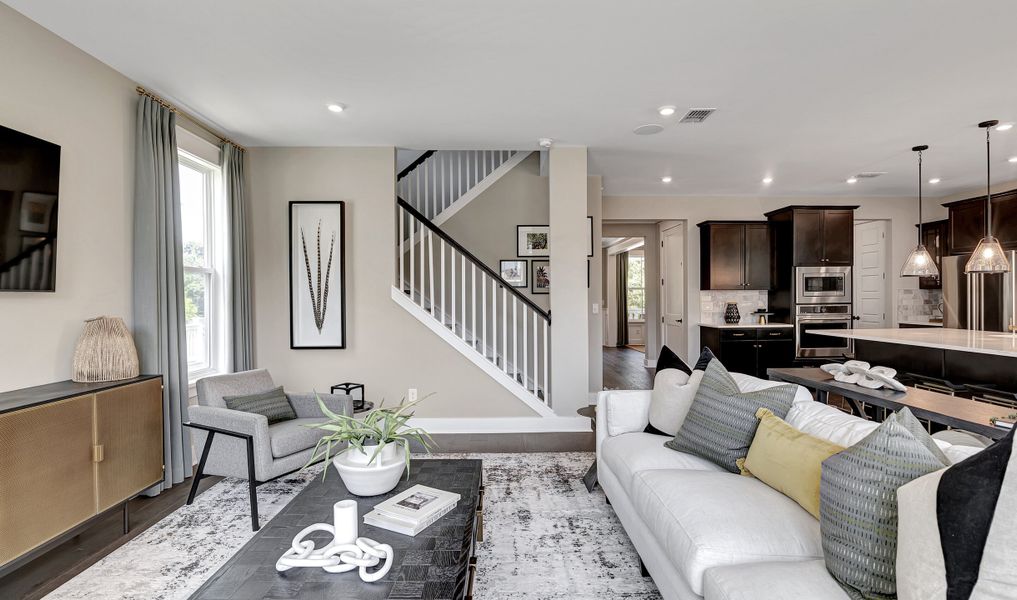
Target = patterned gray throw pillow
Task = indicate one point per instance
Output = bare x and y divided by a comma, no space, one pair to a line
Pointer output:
273,404
858,503
722,421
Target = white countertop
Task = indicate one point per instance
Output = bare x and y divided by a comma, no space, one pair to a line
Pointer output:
961,340
922,323
748,326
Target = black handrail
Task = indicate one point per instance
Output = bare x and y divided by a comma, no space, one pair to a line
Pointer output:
457,246
26,253
415,164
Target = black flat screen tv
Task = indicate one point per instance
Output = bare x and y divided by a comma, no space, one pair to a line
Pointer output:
29,195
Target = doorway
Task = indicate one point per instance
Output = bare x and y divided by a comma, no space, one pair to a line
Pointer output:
626,318
674,329
870,283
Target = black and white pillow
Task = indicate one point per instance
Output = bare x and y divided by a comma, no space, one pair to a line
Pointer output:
674,387
956,530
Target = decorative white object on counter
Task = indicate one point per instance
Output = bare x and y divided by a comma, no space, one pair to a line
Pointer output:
105,351
345,552
858,372
364,477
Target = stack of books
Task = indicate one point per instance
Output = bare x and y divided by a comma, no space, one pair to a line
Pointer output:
412,511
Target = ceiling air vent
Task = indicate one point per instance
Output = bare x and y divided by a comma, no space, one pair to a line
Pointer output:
697,115
870,174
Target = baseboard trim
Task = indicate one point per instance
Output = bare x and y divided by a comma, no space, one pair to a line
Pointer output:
650,363
501,424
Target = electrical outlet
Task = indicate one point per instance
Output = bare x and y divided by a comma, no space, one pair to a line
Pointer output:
411,395
596,308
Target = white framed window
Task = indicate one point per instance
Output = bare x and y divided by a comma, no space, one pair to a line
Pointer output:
636,287
205,247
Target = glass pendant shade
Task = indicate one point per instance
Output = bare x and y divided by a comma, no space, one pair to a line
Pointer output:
919,264
988,257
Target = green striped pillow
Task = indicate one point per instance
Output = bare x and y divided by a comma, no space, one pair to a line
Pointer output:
273,404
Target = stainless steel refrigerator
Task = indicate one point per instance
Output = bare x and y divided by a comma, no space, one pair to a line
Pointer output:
984,302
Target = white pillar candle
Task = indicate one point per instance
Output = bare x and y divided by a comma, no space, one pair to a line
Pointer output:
344,518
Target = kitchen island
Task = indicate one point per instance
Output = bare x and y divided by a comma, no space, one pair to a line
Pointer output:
958,355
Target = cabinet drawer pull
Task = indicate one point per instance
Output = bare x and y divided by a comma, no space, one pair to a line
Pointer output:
97,453
737,335
774,333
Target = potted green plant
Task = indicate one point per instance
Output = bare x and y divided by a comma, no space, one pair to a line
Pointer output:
372,453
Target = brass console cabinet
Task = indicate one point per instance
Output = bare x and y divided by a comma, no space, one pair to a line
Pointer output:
68,453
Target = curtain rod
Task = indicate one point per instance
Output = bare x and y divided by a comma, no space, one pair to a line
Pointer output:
142,91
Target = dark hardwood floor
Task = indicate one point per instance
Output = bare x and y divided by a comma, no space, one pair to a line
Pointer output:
51,570
624,370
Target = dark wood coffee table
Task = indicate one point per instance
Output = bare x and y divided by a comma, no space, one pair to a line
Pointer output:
437,564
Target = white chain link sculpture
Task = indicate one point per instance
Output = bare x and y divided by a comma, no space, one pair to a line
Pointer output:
345,552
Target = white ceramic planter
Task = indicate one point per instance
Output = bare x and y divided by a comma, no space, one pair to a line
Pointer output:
378,477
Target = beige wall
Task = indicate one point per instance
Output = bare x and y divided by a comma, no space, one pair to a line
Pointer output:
388,349
56,92
901,212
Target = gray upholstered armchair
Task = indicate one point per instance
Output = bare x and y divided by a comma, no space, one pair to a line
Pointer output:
242,444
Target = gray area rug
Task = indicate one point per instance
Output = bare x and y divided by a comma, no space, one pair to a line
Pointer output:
546,538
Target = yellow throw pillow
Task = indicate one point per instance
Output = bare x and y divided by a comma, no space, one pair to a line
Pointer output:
788,460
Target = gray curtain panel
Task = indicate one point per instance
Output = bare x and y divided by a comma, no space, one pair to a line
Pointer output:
232,159
623,298
159,277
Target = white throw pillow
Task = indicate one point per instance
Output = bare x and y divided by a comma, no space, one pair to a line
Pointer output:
673,392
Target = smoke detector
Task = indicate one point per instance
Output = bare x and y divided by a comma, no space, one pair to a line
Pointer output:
697,115
545,143
648,129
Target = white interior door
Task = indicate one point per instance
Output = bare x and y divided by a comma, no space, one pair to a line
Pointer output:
869,281
672,296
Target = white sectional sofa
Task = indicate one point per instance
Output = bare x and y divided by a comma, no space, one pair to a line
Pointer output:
703,532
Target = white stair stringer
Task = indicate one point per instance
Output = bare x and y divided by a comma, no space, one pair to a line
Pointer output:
480,188
472,353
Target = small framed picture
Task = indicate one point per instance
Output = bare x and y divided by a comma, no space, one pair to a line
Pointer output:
37,212
514,272
532,240
541,277
589,239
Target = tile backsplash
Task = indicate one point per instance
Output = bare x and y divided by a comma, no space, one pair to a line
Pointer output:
713,303
918,305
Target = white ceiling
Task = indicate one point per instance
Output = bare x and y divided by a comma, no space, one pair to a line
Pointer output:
807,92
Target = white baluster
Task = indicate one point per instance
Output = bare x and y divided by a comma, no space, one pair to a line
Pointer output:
504,329
515,338
452,258
459,178
494,321
430,269
413,260
441,261
473,303
442,198
525,360
402,248
483,313
547,389
536,352
462,291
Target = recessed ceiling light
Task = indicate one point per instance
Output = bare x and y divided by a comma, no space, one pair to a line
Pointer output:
934,180
666,111
336,108
1013,159
1004,126
768,180
665,179
852,180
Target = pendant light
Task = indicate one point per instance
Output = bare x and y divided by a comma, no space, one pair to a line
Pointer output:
988,256
919,262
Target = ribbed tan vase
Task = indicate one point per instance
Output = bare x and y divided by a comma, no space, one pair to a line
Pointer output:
105,351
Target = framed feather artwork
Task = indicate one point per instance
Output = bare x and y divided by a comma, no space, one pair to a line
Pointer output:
317,275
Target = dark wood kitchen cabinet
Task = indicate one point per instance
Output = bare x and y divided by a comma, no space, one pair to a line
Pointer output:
734,255
934,237
816,236
967,222
750,350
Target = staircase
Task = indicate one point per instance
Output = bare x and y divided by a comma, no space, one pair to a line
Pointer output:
31,269
456,295
441,182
